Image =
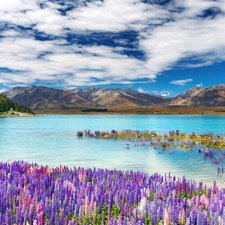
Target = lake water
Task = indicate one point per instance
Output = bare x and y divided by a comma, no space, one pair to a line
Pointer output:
51,140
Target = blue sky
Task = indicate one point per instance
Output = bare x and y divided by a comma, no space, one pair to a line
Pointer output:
161,47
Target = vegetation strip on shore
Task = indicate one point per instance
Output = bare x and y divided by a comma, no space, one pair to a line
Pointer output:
39,195
9,108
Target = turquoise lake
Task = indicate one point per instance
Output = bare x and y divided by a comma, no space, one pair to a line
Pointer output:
51,140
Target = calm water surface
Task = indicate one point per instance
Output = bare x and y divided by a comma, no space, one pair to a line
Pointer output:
51,140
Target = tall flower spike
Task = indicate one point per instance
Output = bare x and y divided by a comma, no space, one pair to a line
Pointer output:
167,219
103,218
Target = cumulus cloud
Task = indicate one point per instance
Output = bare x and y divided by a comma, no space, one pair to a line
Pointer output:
141,90
186,36
71,65
36,44
181,82
163,93
199,85
3,90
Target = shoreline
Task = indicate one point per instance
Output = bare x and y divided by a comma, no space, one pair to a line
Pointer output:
16,115
145,111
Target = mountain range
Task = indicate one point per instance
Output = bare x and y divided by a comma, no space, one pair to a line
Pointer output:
45,98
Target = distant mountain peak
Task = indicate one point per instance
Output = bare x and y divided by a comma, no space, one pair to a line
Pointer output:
91,88
40,97
130,90
210,96
218,86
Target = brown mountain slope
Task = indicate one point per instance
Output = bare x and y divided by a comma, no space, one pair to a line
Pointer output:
120,97
211,96
40,98
46,98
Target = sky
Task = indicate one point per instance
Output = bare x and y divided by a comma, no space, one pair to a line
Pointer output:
162,47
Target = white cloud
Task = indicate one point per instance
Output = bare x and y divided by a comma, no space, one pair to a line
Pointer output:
141,90
186,36
3,90
181,82
68,65
110,15
175,41
196,7
115,15
166,35
163,93
199,85
10,33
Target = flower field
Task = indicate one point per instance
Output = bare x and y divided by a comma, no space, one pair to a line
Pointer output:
33,194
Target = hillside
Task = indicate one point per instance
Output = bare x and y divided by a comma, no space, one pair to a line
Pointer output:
43,98
210,96
8,106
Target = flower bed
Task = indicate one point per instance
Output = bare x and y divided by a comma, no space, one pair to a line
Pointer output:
33,194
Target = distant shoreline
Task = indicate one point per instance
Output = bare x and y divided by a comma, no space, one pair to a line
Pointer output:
16,115
144,110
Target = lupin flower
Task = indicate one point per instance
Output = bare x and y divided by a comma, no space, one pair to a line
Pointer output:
167,217
200,218
143,206
43,196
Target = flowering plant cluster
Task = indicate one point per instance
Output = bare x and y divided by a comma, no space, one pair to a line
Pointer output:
213,147
171,139
39,195
80,133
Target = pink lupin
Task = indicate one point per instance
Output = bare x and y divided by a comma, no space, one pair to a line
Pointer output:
86,205
40,218
183,216
167,217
